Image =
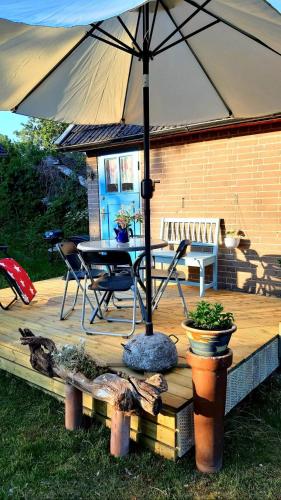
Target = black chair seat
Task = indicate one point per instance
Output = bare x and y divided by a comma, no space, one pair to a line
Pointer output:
119,283
80,275
162,274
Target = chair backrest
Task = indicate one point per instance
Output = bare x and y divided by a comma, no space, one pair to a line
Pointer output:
201,232
180,252
106,258
69,253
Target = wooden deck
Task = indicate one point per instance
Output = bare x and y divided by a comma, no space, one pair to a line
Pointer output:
255,347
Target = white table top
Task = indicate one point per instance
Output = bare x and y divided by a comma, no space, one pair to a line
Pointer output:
134,245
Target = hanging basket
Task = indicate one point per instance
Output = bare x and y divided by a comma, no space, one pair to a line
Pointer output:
232,241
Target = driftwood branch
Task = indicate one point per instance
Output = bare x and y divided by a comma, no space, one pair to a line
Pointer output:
129,395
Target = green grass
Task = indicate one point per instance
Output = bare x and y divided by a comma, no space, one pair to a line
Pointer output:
39,459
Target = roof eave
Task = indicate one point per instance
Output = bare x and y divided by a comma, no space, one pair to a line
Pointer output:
186,130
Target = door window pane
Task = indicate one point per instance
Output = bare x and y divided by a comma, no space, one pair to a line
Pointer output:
111,175
127,173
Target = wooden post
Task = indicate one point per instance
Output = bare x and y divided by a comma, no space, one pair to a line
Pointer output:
73,407
120,434
209,378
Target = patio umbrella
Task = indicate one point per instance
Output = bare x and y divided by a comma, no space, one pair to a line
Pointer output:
93,62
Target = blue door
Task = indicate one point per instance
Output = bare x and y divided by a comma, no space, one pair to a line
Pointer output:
119,188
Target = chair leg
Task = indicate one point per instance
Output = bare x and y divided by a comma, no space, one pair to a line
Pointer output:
105,297
64,315
182,298
97,312
5,308
159,292
64,296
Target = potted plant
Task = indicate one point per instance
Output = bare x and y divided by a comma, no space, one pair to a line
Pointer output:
124,220
232,238
209,329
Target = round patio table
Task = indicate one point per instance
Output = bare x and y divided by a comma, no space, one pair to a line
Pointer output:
136,244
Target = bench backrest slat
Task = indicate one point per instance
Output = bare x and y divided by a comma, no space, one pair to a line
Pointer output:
201,232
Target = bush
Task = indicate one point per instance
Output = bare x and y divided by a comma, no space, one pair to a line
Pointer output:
34,199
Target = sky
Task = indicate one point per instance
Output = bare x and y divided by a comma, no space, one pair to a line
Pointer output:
9,122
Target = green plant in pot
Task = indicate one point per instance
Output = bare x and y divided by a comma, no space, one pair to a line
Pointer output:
209,329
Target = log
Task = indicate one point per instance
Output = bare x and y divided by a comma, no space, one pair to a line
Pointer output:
128,395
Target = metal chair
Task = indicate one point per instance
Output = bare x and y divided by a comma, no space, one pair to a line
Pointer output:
165,276
69,253
116,280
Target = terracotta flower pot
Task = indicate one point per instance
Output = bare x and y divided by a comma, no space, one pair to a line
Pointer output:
208,342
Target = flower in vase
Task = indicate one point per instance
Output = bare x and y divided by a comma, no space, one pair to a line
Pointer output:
124,218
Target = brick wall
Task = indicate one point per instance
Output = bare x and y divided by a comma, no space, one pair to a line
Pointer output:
231,174
236,178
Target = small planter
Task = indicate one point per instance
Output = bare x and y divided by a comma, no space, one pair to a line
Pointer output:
208,342
231,241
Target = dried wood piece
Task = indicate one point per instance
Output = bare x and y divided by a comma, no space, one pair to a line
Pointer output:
128,395
39,359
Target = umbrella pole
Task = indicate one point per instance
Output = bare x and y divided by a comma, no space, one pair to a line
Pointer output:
147,184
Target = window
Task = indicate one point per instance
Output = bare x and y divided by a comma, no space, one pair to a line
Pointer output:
127,173
111,175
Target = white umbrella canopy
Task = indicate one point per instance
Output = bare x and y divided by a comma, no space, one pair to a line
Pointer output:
94,61
56,71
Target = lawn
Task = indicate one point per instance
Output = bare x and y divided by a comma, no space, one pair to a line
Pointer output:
39,459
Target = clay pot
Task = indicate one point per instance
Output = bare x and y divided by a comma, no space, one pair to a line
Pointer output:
232,242
208,342
209,378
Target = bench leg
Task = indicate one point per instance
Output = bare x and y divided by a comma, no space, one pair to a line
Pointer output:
215,275
202,280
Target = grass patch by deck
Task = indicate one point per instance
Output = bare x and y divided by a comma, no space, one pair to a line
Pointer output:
40,459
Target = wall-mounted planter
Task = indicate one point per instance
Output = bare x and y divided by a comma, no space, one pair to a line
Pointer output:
208,342
231,241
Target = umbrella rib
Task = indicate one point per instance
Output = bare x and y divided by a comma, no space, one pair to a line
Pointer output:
234,27
129,50
202,67
89,33
111,37
153,22
129,33
178,28
130,69
184,38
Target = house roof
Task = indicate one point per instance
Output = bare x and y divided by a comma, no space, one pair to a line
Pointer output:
98,137
90,135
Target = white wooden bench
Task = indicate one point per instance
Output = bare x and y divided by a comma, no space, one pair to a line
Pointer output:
204,237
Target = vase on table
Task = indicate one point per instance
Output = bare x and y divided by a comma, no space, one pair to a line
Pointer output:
122,234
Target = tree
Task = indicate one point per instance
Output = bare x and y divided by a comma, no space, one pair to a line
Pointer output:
41,133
